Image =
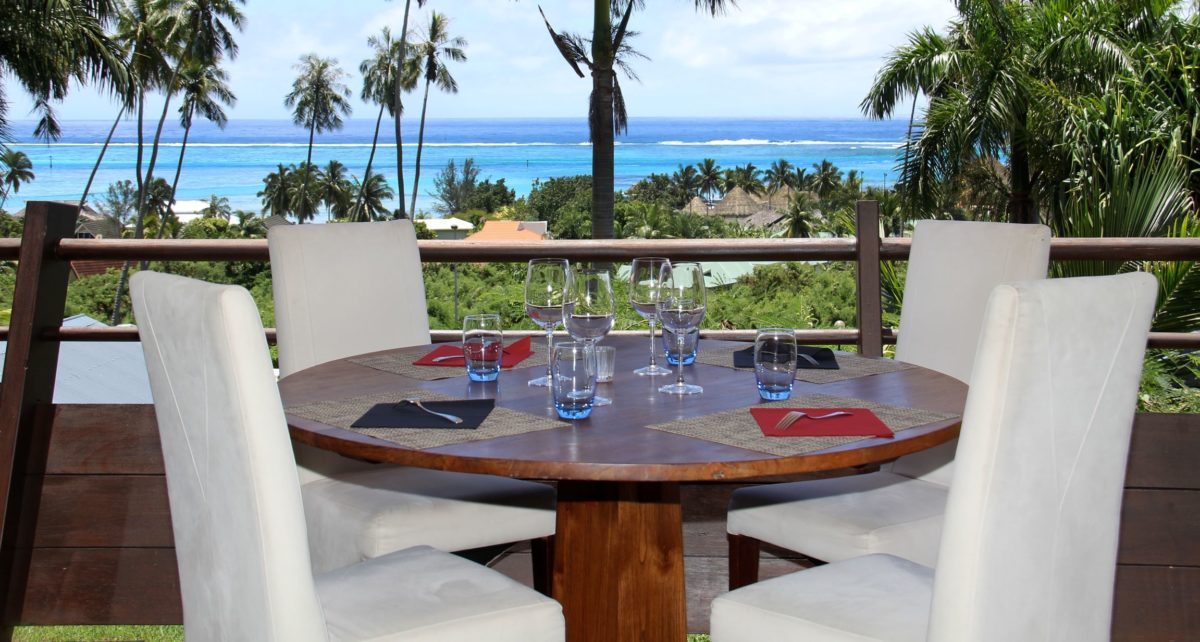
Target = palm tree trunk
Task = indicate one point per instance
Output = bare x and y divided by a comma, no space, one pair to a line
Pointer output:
602,122
400,213
420,144
370,159
139,219
302,195
162,119
179,167
95,168
1021,208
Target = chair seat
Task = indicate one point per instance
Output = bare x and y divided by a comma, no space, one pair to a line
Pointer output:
870,598
365,514
844,517
421,594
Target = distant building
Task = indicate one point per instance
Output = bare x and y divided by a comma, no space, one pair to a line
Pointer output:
448,229
511,231
188,210
91,224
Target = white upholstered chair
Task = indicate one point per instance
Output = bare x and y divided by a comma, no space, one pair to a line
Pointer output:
1029,547
236,511
952,269
351,288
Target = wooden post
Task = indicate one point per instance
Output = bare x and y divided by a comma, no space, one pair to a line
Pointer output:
29,369
870,299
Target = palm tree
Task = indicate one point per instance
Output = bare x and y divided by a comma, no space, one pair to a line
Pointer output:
779,175
606,44
335,189
438,46
370,195
304,192
747,177
379,76
46,46
199,37
710,178
398,65
826,177
218,206
318,97
204,91
274,193
686,182
18,169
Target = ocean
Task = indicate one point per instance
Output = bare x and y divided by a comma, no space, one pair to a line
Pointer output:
232,162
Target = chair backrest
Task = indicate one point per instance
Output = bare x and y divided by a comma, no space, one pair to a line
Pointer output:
346,288
236,511
1030,540
952,269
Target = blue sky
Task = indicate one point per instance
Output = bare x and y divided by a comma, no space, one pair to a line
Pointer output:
764,58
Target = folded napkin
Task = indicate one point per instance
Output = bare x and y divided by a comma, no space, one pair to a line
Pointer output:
402,415
514,353
860,423
806,357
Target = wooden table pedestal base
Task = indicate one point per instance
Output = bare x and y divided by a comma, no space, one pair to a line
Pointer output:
623,540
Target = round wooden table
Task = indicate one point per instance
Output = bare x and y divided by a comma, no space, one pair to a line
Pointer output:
618,567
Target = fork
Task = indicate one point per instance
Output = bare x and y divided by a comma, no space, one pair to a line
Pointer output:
454,419
796,415
446,357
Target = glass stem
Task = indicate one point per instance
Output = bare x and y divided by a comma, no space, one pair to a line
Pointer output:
549,352
682,338
653,350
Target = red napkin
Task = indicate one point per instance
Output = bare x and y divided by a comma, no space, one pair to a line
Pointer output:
514,353
860,423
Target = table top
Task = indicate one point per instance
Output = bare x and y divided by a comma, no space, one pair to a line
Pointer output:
614,444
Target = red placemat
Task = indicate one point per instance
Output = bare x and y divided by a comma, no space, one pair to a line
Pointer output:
861,422
514,353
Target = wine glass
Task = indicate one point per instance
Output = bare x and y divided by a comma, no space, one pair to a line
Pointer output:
681,304
591,310
643,296
547,283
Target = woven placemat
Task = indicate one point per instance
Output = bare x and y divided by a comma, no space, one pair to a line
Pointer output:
501,422
738,428
401,362
850,365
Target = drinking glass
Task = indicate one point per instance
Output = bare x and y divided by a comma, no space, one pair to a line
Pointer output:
775,362
573,369
643,296
483,346
691,346
547,283
591,309
681,304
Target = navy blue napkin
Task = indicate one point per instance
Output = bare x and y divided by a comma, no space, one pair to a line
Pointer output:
397,415
806,357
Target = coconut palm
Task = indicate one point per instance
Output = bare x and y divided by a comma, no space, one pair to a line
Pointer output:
379,76
46,46
274,193
710,178
319,100
747,177
304,192
398,65
17,169
218,206
369,198
778,176
431,55
606,44
335,189
826,177
685,183
204,91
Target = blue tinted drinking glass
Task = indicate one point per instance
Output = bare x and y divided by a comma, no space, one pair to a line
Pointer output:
483,346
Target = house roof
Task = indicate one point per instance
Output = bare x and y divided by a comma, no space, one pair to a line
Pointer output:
763,218
510,231
92,268
86,213
446,224
98,371
696,206
737,202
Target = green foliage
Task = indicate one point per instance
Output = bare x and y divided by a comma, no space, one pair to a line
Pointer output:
489,196
453,189
10,226
113,633
93,296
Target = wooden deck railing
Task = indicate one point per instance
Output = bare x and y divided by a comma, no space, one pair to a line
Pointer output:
85,533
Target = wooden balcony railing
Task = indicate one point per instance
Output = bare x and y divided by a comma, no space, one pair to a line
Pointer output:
85,533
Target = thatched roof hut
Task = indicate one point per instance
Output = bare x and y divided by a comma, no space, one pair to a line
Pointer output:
696,206
737,203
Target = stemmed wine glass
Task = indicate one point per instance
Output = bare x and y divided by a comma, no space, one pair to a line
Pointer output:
643,296
681,304
590,309
547,284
